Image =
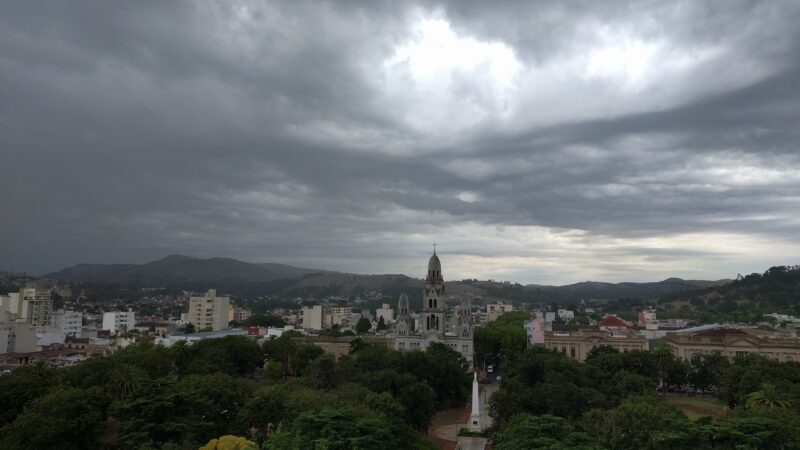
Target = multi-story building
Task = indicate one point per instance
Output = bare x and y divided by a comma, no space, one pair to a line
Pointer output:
495,310
209,311
386,312
15,336
731,341
577,342
35,306
432,318
119,321
239,314
535,329
312,318
70,322
339,315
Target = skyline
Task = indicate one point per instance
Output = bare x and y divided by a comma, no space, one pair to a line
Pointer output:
540,144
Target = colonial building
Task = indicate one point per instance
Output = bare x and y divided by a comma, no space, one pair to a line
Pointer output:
577,341
433,321
731,342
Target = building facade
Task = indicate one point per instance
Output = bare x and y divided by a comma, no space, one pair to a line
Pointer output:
577,342
731,342
209,311
312,318
495,310
70,322
36,307
386,312
432,318
119,321
15,336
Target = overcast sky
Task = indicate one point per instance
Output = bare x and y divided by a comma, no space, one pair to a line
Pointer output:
539,142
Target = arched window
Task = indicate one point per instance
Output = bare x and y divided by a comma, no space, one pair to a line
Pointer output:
429,324
435,303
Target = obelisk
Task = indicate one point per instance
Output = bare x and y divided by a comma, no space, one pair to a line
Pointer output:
475,417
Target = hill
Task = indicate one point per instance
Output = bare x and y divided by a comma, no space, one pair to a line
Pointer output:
177,269
745,299
243,278
611,291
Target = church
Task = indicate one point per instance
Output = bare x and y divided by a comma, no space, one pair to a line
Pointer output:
433,324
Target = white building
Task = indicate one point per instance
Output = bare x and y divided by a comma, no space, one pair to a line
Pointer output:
386,312
495,310
70,322
566,315
119,321
49,335
209,311
432,318
312,318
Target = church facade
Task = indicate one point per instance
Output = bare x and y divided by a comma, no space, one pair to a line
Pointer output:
433,324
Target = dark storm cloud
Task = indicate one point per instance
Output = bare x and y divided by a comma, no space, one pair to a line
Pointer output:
597,137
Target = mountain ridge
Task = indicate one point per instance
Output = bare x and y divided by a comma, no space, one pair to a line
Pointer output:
181,268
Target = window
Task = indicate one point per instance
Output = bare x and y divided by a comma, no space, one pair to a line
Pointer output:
572,352
564,350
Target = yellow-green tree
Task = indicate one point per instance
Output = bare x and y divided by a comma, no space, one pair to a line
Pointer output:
230,442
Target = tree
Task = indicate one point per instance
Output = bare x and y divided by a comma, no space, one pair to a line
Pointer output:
230,442
233,355
263,320
339,429
322,372
189,328
125,380
22,386
363,325
767,398
416,397
641,422
283,349
189,411
381,324
663,359
547,432
65,418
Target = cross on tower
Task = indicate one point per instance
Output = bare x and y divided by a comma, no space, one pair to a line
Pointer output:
434,248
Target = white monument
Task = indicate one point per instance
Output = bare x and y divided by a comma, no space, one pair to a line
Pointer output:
475,417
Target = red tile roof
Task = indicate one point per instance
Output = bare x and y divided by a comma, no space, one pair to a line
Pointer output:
613,322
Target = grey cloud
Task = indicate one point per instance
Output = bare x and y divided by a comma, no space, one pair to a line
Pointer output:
261,131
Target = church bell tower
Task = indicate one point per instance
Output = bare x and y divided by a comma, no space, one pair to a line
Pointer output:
433,298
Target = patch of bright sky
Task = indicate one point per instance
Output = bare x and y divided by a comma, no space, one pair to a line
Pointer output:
450,82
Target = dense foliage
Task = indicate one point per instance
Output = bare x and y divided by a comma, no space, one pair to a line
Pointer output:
207,394
621,401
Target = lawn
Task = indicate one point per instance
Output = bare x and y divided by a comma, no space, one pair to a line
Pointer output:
697,407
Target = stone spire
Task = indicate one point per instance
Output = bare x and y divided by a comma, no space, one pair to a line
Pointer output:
475,417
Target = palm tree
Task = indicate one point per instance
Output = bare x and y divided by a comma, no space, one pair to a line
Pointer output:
663,359
715,364
124,381
769,397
